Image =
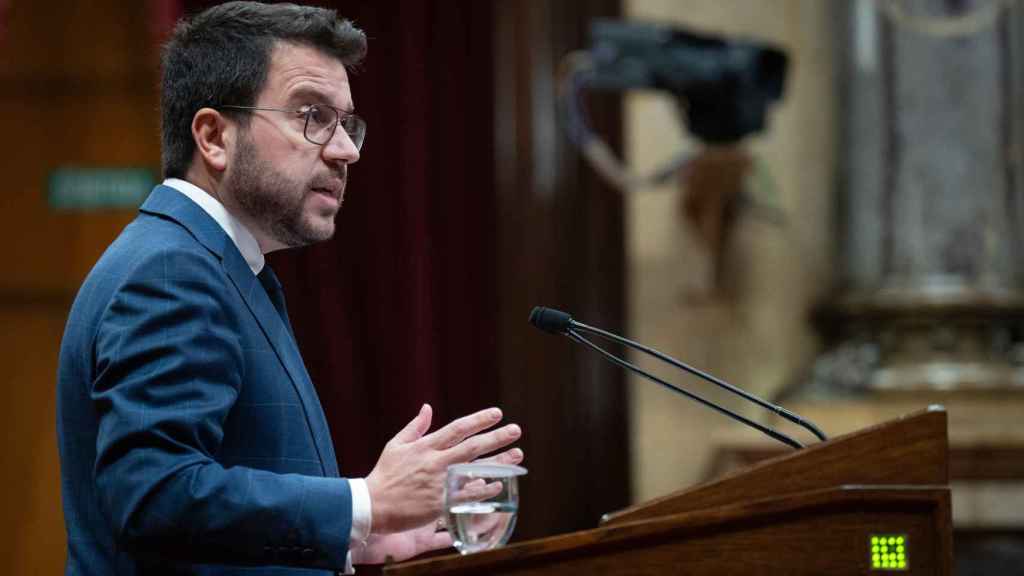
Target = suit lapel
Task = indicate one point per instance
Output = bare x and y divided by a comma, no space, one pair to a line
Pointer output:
287,351
169,202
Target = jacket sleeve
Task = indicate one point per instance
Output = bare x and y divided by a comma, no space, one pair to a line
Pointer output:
169,365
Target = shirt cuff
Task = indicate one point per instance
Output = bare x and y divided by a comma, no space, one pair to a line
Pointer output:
362,518
362,512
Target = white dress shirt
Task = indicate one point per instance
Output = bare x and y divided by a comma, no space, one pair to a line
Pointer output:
250,249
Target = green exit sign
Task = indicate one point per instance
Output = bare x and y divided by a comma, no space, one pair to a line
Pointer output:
83,188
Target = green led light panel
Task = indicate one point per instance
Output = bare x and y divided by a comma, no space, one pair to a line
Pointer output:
889,552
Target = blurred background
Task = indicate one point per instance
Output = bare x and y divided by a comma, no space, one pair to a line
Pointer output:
857,260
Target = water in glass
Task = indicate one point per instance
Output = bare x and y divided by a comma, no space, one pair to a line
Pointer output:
481,501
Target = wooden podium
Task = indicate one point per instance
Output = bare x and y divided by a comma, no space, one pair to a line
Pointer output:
857,504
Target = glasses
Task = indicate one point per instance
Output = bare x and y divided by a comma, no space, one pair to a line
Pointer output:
321,122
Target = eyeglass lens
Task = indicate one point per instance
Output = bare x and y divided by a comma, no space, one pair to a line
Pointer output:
321,121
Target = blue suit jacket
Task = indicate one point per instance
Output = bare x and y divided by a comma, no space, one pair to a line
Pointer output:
191,438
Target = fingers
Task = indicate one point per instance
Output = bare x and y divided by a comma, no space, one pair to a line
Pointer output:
437,541
513,456
416,427
463,428
475,491
481,444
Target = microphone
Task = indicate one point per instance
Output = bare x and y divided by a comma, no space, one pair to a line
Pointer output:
550,320
558,322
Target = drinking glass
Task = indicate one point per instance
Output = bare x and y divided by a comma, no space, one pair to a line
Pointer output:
481,501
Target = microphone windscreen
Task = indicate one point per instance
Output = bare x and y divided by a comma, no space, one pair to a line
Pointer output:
550,320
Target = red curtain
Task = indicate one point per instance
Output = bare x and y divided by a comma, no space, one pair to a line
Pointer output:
397,309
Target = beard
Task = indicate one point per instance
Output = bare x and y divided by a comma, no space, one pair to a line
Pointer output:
276,203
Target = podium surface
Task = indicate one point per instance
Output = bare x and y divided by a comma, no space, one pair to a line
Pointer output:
875,501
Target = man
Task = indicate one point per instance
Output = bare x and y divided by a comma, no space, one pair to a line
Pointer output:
191,438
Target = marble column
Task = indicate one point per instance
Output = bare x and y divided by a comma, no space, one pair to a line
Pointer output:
930,291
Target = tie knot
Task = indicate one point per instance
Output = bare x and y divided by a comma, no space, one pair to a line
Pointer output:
269,280
274,291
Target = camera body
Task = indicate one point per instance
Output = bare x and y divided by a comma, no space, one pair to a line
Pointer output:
724,87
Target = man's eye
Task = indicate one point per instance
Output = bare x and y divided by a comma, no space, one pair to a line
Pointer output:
318,115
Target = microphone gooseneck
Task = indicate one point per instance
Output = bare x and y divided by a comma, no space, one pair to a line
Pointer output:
558,322
718,408
786,414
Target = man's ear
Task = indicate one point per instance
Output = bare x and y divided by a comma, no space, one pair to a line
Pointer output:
213,134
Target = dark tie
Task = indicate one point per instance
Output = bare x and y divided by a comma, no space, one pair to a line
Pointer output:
273,287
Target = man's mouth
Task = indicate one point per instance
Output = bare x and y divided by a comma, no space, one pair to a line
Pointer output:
333,186
333,192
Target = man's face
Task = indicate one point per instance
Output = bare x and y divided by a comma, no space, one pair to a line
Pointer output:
288,189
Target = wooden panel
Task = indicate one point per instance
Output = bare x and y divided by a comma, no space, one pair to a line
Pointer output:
78,86
30,496
984,463
910,450
819,532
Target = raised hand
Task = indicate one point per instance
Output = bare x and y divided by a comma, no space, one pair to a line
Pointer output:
407,484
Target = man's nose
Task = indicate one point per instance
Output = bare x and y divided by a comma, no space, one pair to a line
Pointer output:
341,148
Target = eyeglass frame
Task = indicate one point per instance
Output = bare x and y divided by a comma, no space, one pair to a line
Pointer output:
339,113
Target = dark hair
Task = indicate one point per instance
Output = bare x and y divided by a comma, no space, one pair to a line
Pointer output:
221,56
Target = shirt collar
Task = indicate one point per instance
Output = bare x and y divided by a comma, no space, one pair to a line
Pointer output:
239,234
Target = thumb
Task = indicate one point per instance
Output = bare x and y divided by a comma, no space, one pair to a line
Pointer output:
416,427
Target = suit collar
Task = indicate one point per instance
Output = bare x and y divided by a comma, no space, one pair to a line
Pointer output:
168,202
239,234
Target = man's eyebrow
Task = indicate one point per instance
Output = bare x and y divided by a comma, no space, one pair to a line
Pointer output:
313,96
